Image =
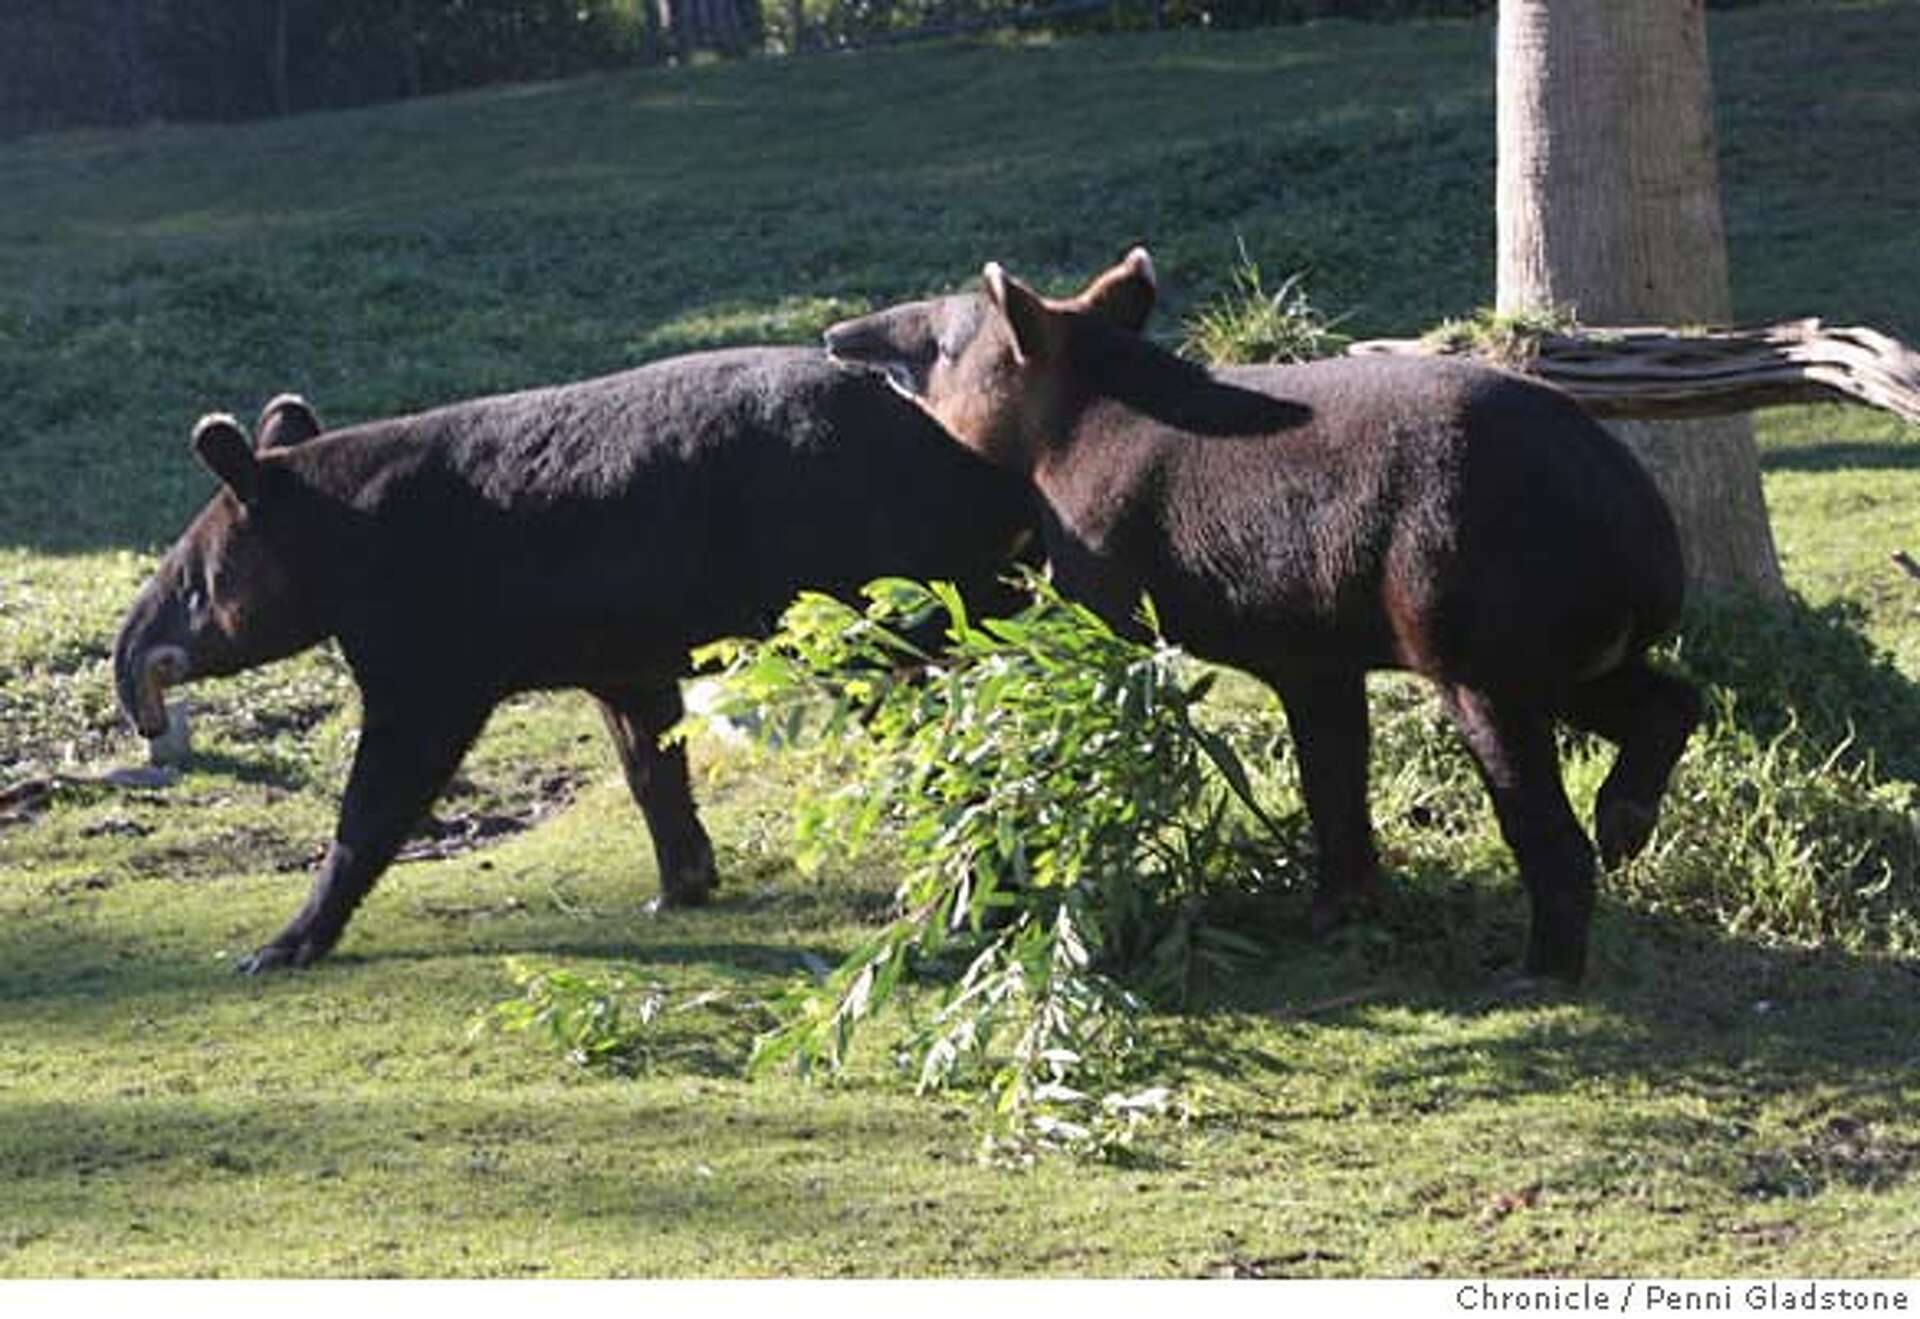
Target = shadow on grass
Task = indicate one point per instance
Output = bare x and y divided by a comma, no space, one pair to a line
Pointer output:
1810,668
1407,1010
636,958
41,968
1670,1009
346,1183
1716,1031
1841,456
253,771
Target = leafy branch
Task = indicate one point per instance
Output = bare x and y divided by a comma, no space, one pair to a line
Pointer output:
1061,819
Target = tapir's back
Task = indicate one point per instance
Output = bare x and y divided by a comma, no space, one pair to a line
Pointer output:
817,476
1524,472
1401,487
1464,423
669,504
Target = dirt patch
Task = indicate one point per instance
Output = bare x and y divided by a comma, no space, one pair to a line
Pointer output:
1846,1150
1293,1264
21,802
471,817
449,833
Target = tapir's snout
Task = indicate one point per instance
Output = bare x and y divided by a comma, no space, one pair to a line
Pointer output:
898,343
838,339
150,655
861,341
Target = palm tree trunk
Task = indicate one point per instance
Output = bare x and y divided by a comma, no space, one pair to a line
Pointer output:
277,61
133,91
1608,205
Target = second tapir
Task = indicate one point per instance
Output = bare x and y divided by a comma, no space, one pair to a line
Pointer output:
1309,523
580,536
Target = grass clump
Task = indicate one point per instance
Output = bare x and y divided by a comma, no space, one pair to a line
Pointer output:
1770,838
1811,668
1250,325
1508,338
1794,816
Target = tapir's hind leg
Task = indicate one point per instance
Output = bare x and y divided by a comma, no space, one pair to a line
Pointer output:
1649,716
636,716
1328,718
1514,747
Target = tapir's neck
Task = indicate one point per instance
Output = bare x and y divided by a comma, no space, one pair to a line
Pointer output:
1118,400
1122,412
340,466
1091,393
1102,428
324,494
1094,463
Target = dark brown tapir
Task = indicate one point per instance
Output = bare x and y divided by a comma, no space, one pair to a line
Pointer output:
1310,523
580,536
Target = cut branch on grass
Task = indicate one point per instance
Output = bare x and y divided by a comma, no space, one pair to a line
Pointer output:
1059,818
1653,372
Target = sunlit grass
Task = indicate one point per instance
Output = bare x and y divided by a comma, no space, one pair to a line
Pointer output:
1716,1103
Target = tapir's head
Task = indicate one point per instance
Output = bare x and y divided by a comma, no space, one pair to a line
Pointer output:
223,598
986,364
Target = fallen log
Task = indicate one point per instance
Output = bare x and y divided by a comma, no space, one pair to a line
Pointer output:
1653,372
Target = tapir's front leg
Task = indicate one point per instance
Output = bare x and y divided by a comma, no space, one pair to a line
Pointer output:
405,757
1327,715
636,716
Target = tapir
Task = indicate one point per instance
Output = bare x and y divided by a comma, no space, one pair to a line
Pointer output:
581,536
1310,523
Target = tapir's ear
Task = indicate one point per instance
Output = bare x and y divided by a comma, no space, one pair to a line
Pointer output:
286,420
1025,314
1124,294
223,447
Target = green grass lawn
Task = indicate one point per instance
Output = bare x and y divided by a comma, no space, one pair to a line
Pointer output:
1718,1101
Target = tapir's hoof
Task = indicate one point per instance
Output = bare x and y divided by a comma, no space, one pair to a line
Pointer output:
279,956
687,881
1325,917
1524,987
1564,967
1621,829
1334,909
680,899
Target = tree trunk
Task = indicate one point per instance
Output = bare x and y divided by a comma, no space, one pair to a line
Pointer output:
726,33
651,49
407,37
277,62
1609,206
673,15
133,91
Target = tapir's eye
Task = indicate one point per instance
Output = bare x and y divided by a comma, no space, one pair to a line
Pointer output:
194,592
